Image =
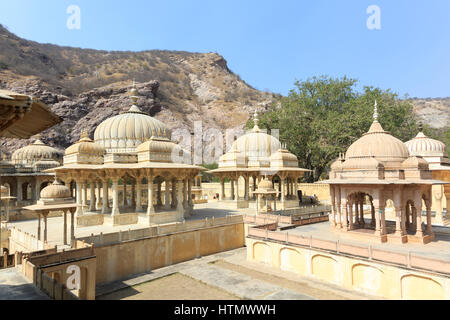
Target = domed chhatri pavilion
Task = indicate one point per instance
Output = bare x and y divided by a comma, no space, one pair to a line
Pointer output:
134,150
25,173
435,153
256,155
55,197
376,168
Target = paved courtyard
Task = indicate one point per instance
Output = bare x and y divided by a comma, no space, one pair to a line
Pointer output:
15,286
224,275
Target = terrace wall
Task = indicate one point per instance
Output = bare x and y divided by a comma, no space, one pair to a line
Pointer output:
377,272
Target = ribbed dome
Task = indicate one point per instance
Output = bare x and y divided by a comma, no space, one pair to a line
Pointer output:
423,146
35,152
257,146
85,146
55,191
283,158
124,132
265,184
378,144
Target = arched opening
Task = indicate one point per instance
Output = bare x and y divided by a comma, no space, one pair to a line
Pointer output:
360,211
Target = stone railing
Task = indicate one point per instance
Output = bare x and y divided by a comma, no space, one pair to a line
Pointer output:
297,220
131,235
25,242
307,210
403,259
57,257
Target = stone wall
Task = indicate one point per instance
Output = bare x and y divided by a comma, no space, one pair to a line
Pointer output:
349,270
51,272
119,259
25,242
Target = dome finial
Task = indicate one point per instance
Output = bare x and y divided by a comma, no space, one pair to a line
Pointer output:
134,93
255,118
375,112
420,126
84,134
134,96
256,122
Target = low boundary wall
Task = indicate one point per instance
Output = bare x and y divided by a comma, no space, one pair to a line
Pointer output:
120,255
389,274
25,242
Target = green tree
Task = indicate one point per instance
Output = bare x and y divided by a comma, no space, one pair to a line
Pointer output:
323,116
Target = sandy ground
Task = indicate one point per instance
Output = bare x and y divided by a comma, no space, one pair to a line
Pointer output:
173,287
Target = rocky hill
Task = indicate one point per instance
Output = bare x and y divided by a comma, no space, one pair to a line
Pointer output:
434,112
86,86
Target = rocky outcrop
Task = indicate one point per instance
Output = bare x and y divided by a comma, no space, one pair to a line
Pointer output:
85,87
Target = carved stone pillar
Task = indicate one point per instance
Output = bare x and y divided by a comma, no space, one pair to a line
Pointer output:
98,204
150,207
133,195
246,187
189,195
232,189
429,225
79,187
124,198
418,207
84,194
357,210
115,208
361,211
167,195
283,191
72,226
333,206
39,227
92,196
45,214
185,200
180,208
37,190
350,215
296,188
158,194
377,213
105,196
174,193
345,214
383,219
222,189
398,221
19,190
337,192
139,196
65,227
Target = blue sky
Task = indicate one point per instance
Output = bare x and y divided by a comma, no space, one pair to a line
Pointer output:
268,43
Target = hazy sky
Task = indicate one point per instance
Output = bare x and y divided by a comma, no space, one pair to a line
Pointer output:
269,44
